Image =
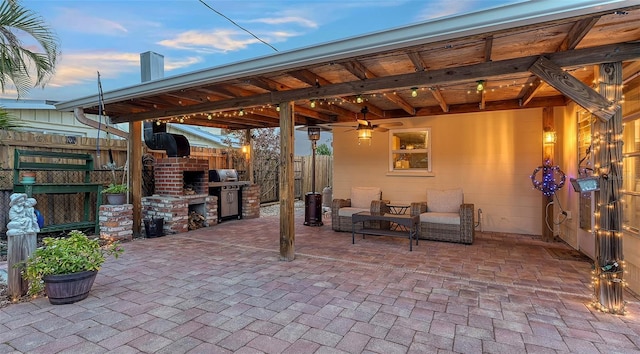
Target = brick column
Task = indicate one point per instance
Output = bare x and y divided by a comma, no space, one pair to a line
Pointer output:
116,222
251,201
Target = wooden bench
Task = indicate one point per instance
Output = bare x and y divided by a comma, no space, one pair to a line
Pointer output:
29,160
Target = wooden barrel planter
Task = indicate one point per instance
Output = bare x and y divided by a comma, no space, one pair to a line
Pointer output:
68,288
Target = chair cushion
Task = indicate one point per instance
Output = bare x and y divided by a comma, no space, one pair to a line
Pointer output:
441,218
444,201
361,197
348,211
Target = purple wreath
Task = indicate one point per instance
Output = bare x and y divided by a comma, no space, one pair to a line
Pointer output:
549,183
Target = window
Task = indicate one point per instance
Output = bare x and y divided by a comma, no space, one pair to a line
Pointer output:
410,151
631,177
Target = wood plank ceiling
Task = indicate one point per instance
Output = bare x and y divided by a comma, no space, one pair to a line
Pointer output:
443,74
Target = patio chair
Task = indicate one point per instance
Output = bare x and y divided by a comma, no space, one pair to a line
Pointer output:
361,199
445,217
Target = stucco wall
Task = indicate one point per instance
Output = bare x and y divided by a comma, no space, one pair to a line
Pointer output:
490,155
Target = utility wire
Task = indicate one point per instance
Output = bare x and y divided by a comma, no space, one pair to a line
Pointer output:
237,25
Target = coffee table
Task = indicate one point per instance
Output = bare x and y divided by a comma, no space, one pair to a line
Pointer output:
408,221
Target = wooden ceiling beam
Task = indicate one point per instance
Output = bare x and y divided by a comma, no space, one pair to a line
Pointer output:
485,70
573,88
417,60
488,48
363,73
530,90
575,35
437,94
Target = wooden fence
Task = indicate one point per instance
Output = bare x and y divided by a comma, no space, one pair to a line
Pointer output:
302,177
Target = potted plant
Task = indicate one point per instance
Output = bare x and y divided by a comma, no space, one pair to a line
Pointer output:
116,193
65,267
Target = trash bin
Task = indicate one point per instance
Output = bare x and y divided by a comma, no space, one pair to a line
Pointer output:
154,227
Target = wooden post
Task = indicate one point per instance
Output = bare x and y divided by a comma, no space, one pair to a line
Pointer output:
547,158
608,283
20,247
135,173
287,195
249,155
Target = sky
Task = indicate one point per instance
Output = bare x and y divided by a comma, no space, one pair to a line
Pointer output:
107,36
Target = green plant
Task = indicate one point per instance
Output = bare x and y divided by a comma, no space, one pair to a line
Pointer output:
115,189
64,255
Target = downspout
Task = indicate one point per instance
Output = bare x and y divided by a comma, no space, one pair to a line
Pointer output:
79,113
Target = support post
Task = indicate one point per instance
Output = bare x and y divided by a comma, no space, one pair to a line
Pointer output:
287,195
548,154
135,173
249,155
609,267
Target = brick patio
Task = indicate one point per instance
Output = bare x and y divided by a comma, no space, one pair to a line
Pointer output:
222,290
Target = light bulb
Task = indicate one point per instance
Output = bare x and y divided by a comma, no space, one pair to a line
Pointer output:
414,92
359,99
313,103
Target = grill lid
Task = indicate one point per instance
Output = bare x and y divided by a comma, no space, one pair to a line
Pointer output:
223,175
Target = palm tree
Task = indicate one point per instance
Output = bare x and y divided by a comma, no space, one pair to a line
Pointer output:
18,63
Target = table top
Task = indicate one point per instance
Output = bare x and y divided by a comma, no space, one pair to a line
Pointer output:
397,218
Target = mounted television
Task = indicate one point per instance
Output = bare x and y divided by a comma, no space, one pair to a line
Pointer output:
585,184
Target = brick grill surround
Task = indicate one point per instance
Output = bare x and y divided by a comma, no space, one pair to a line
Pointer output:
170,176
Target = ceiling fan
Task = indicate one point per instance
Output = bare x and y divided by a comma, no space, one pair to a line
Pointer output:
364,124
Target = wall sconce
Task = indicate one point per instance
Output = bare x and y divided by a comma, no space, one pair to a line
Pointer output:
245,149
414,92
549,137
364,134
479,85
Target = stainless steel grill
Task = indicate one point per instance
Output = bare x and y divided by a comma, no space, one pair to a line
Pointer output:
224,184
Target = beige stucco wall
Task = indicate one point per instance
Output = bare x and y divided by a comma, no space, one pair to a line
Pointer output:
490,155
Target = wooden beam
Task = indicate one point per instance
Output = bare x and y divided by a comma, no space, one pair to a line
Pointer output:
135,173
287,195
363,73
435,91
577,33
487,70
573,88
530,90
488,47
417,61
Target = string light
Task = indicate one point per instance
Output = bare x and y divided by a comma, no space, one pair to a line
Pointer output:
359,99
313,104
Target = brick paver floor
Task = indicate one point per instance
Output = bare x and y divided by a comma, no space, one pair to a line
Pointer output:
223,289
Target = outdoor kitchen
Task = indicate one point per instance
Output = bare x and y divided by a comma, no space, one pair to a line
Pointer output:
188,195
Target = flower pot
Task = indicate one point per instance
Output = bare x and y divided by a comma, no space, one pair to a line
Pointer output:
116,199
68,288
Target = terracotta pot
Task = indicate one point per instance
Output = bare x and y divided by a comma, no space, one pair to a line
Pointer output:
68,288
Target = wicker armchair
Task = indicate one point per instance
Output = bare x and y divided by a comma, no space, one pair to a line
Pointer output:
362,199
445,217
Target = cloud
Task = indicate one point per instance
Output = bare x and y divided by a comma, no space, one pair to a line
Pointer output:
79,68
210,42
72,19
286,20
